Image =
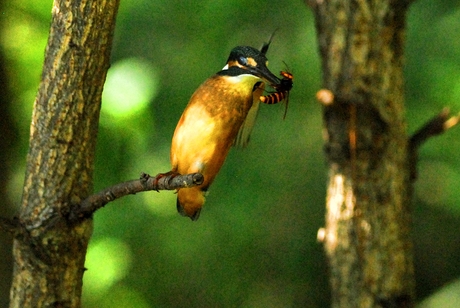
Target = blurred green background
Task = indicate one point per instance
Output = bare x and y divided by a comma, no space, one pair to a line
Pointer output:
255,242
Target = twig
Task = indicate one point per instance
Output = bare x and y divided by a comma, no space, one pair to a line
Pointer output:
436,126
162,181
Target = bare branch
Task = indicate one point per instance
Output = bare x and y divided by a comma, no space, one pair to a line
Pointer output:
436,126
162,181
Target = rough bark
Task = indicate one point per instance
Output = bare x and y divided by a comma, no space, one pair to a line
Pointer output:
367,233
49,253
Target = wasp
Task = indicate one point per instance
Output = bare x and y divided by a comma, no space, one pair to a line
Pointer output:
282,91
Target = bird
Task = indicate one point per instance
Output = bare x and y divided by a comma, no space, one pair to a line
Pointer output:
220,114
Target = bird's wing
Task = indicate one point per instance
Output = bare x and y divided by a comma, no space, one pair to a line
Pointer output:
244,133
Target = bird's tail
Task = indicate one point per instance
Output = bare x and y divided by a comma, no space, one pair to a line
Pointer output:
190,201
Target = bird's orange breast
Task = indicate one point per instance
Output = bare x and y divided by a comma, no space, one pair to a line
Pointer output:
206,131
208,127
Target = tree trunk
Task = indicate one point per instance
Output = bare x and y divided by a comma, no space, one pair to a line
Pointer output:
49,253
367,233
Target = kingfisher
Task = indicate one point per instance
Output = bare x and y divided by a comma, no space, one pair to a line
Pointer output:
220,113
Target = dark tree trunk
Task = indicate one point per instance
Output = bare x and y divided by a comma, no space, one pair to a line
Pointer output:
367,233
49,252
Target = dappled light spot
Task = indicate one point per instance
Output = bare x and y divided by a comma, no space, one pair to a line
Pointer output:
108,261
130,86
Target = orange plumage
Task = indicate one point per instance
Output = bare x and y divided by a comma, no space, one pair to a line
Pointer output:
212,119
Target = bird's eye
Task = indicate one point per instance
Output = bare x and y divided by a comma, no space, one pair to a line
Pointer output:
243,61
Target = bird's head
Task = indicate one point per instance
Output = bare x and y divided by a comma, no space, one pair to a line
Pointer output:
248,60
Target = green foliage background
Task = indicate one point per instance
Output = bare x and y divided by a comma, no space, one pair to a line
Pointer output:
255,243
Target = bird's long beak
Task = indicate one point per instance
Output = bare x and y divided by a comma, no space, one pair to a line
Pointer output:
264,73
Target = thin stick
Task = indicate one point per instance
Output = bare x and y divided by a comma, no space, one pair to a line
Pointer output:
162,181
436,126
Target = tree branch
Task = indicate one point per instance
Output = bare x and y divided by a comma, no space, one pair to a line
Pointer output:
436,126
162,181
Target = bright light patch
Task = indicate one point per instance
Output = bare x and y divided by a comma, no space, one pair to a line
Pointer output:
130,86
108,261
